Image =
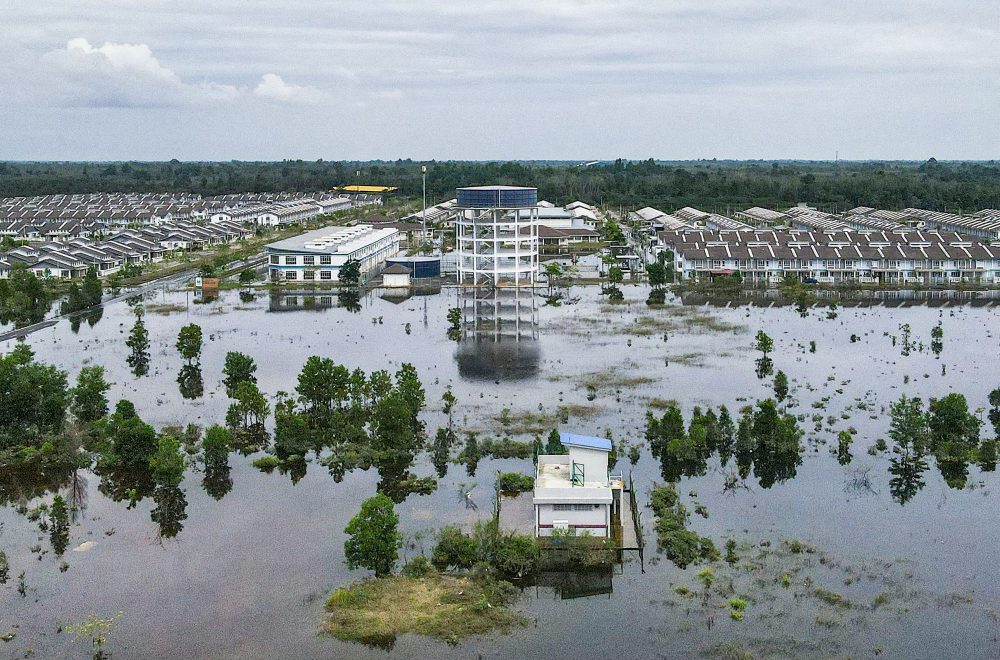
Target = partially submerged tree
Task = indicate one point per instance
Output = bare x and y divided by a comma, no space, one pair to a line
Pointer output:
373,536
350,273
138,343
90,402
189,341
780,386
238,368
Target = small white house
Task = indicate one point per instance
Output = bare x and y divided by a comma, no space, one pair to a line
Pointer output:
396,276
575,493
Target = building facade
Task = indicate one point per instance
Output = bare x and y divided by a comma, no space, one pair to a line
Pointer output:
902,256
319,255
575,494
496,235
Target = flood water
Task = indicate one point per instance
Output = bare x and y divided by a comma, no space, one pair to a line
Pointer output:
247,574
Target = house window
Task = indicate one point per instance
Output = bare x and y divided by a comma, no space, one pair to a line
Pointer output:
275,259
585,507
291,275
290,261
308,275
309,260
562,507
325,260
325,275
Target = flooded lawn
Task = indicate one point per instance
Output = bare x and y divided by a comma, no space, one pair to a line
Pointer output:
834,557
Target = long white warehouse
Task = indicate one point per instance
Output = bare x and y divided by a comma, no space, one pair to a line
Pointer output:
320,254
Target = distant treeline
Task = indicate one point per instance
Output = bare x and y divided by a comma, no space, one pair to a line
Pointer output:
719,186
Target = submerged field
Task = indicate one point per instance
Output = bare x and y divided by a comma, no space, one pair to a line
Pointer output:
834,556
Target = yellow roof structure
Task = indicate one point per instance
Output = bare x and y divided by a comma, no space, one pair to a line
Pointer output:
368,189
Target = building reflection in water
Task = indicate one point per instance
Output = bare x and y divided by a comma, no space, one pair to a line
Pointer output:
498,337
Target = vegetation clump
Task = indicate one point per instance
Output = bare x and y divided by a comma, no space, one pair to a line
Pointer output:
443,607
515,482
681,545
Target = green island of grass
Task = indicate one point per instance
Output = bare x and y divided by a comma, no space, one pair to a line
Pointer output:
444,607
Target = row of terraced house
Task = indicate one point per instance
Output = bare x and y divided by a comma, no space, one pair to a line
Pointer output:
61,217
863,245
72,258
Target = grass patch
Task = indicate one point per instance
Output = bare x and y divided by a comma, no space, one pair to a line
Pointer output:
164,308
612,379
443,607
687,359
832,598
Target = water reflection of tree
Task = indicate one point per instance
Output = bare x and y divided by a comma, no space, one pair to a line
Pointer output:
26,482
121,483
217,481
766,441
170,510
907,479
190,382
349,299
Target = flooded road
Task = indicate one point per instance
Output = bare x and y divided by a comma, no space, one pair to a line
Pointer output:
247,573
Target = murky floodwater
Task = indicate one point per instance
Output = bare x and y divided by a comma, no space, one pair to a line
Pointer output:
247,574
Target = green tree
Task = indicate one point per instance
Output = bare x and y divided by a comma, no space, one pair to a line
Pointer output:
780,386
410,389
189,342
612,232
247,276
23,298
554,446
247,413
908,425
167,463
292,437
764,343
323,386
216,444
237,369
138,343
133,442
33,401
657,274
615,275
373,536
92,291
553,271
90,402
950,420
74,300
350,273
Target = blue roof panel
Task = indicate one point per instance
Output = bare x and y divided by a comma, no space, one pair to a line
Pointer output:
590,442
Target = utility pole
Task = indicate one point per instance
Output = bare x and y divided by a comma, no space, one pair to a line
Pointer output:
423,216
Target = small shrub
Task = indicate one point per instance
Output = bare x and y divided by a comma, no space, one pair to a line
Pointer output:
515,482
266,463
454,549
418,567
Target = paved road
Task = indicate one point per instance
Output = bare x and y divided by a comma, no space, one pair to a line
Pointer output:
166,281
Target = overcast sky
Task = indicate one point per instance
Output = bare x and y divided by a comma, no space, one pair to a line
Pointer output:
490,79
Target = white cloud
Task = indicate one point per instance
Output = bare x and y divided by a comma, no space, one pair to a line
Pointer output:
124,75
752,78
273,88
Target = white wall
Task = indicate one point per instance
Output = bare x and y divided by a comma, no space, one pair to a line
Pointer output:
594,461
599,514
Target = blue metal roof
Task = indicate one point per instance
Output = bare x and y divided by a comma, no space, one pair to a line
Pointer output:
590,442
